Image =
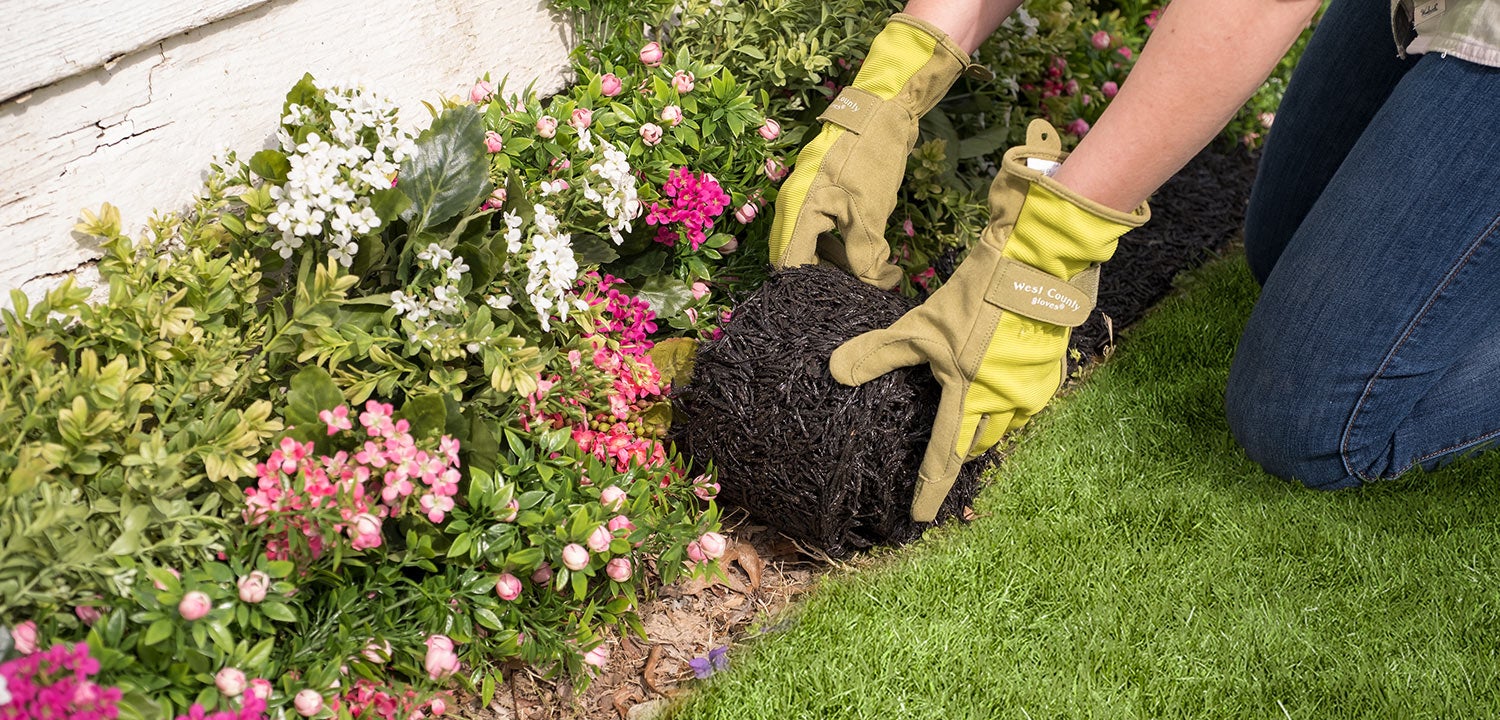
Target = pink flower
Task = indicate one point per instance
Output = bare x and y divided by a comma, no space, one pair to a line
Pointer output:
700,290
515,509
508,587
771,130
695,552
230,681
194,605
493,142
1078,127
581,119
496,199
1109,88
612,497
598,657
157,583
610,85
713,545
308,703
1126,53
651,54
683,82
599,540
441,661
745,213
439,706
253,587
336,419
620,522
377,652
651,133
542,574
365,531
706,489
775,169
619,570
908,228
1151,18
575,556
1071,87
1266,118
24,636
89,615
261,688
729,246
1101,40
481,92
546,126
671,115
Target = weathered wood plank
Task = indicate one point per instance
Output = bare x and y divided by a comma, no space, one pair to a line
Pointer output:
139,132
43,41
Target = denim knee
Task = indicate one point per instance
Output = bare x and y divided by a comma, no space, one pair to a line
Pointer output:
1287,428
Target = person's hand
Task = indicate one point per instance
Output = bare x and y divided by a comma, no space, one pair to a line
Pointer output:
996,334
847,177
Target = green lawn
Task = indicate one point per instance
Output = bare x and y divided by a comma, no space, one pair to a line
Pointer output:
1131,562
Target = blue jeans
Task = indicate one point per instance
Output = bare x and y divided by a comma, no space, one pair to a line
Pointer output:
1374,230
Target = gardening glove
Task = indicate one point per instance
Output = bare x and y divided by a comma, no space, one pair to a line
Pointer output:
996,334
848,175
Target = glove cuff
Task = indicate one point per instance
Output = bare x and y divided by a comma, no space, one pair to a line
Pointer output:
911,62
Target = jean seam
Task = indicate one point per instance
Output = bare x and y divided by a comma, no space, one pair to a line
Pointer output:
1460,446
1344,452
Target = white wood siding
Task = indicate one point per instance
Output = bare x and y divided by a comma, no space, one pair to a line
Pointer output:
139,130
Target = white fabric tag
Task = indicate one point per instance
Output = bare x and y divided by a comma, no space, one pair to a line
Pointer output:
1046,167
1425,10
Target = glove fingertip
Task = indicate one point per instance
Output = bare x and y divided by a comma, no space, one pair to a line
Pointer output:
858,361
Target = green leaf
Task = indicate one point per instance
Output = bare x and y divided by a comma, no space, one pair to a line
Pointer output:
983,142
482,449
271,165
674,359
668,296
488,618
593,250
646,264
428,415
448,172
389,203
159,631
312,392
277,611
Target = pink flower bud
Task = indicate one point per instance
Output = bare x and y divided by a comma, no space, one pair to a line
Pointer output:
253,587
85,695
1079,127
695,552
612,498
651,54
481,92
729,246
706,490
365,529
908,228
542,574
1266,118
261,688
195,605
610,85
24,636
713,545
546,126
745,213
599,539
1071,87
89,615
1126,53
1109,88
775,169
308,703
671,115
439,706
598,657
620,522
683,82
230,681
493,142
377,651
582,118
1101,40
619,570
700,290
515,508
651,133
158,584
508,587
441,661
497,198
771,130
575,556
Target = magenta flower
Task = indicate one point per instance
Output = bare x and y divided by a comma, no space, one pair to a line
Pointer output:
695,201
1109,88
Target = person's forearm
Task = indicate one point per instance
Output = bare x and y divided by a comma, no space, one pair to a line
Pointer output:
1202,62
968,22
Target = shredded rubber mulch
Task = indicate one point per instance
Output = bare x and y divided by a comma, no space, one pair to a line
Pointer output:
825,464
835,467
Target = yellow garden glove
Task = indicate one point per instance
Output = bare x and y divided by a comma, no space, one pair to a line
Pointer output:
996,334
848,175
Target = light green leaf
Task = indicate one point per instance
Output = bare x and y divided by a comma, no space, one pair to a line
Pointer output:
448,173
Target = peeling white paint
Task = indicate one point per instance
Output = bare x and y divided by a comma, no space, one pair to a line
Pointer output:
138,132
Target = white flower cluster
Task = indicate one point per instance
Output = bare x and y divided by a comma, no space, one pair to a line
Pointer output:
620,201
334,172
444,305
552,269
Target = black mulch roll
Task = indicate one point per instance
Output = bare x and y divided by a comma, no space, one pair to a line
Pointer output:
825,464
834,466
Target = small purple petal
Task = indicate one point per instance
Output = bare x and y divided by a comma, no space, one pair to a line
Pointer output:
719,657
701,667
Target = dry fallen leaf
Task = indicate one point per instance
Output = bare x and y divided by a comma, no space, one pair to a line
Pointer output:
744,555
